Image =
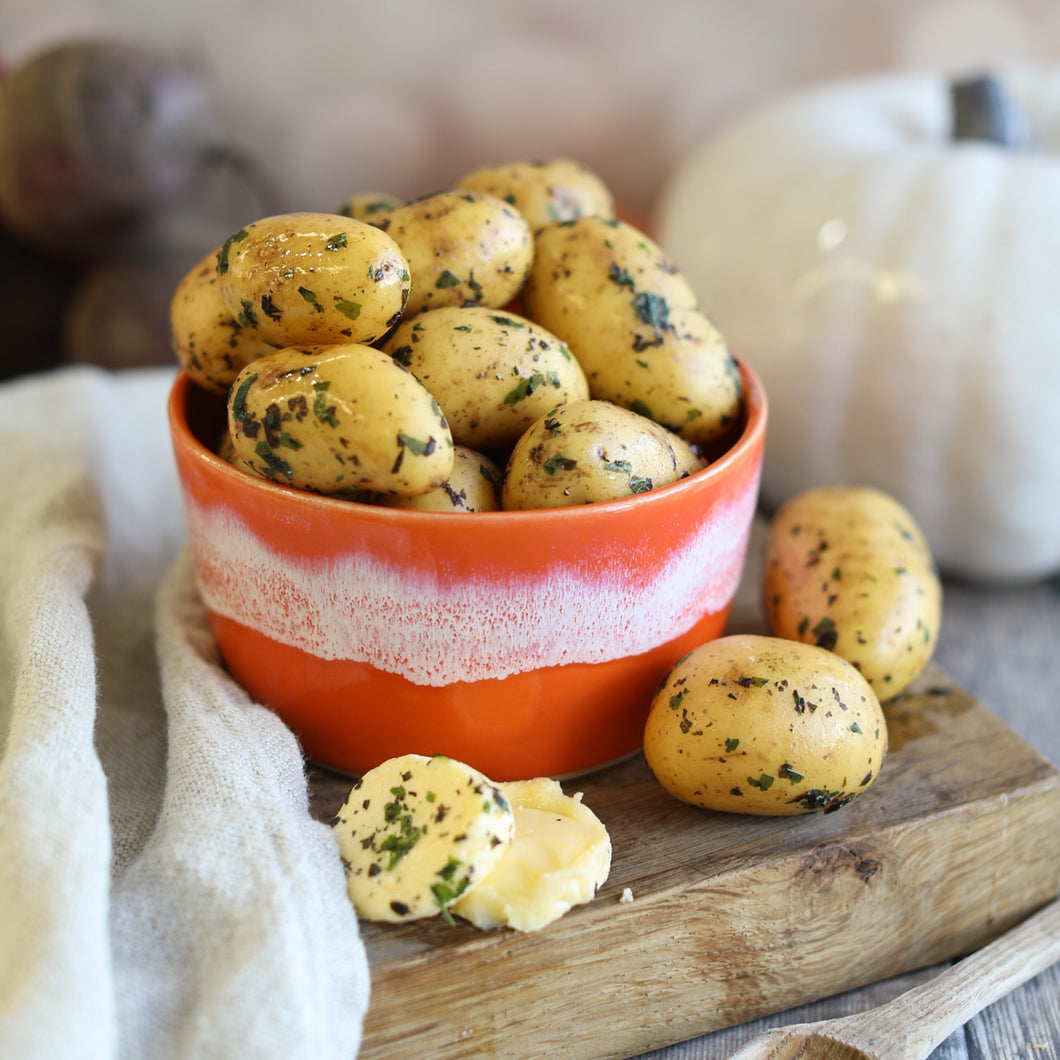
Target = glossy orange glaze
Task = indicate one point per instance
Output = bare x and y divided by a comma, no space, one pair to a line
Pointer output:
523,643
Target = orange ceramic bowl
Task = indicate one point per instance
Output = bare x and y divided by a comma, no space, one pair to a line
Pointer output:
523,643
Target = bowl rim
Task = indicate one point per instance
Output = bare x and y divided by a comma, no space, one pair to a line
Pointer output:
755,411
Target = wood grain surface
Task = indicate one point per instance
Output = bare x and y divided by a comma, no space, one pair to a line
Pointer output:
734,917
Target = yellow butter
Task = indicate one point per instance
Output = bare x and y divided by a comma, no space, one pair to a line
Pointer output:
559,857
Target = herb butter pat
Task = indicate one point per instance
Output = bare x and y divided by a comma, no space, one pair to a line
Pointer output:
426,836
559,857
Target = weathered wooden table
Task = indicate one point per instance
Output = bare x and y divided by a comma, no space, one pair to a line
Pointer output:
1002,645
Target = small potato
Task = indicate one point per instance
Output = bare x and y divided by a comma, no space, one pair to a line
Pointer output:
543,192
344,419
474,486
589,451
848,569
632,321
226,450
493,373
463,248
318,278
370,206
688,458
209,343
761,725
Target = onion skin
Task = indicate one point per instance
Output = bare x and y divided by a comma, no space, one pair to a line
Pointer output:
96,137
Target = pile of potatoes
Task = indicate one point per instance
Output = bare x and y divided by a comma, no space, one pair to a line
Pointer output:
510,344
504,344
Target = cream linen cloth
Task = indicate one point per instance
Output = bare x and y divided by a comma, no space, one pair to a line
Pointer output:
164,891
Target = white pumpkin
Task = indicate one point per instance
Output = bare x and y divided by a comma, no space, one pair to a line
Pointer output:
898,291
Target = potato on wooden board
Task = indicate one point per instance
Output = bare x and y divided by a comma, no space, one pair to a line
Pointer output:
342,419
762,725
848,569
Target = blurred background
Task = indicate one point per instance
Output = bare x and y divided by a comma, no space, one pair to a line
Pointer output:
319,100
120,169
339,95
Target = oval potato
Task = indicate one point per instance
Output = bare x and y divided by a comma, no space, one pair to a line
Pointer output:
342,419
463,248
632,321
319,278
559,189
209,343
848,569
589,451
226,450
493,372
762,725
474,486
370,206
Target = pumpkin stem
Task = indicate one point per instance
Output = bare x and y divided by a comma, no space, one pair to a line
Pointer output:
983,111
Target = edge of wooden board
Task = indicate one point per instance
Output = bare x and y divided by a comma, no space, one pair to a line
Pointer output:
734,917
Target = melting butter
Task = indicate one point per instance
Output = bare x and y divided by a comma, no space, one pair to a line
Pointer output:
559,857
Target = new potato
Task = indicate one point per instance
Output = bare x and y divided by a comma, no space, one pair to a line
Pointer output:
559,189
589,451
341,419
848,569
762,725
319,278
632,321
463,248
370,206
226,450
209,343
493,372
473,486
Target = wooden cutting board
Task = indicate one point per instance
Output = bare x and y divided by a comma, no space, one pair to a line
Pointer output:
733,917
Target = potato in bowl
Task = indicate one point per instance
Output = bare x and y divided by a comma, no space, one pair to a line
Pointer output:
526,643
584,452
